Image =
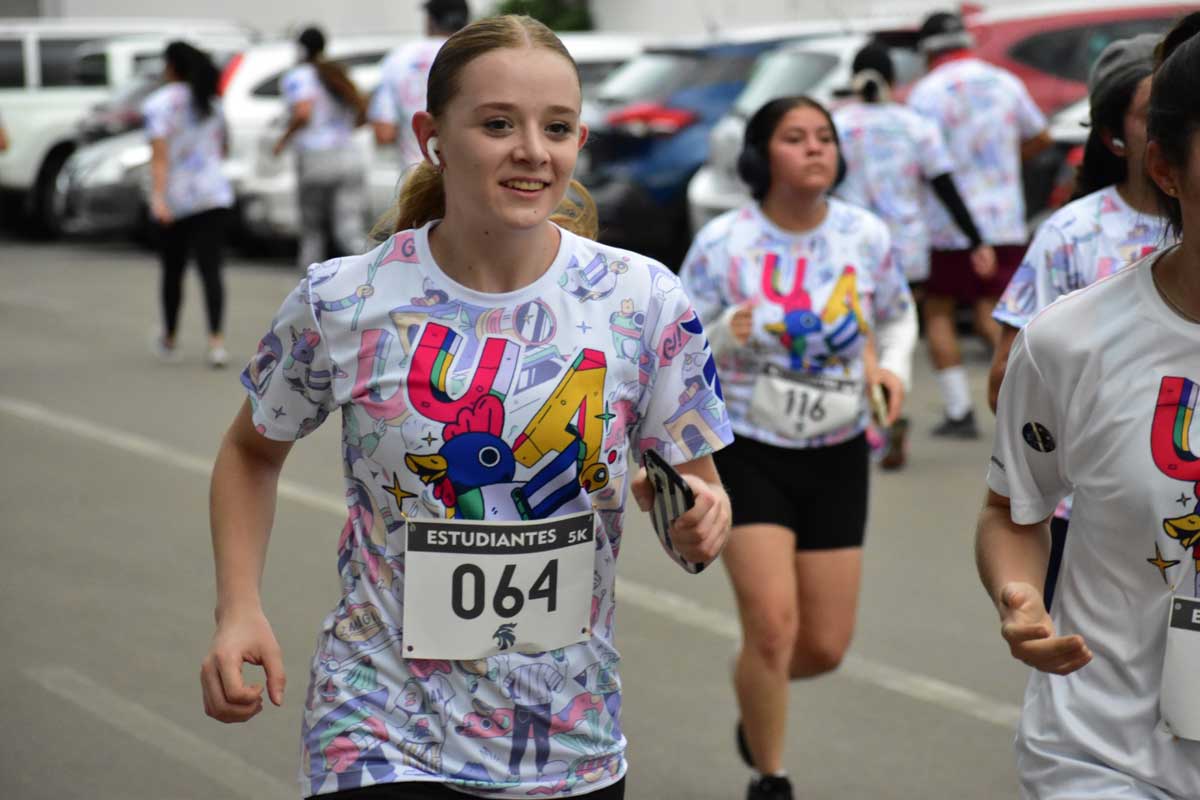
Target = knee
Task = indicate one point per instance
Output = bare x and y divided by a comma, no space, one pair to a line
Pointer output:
817,654
773,638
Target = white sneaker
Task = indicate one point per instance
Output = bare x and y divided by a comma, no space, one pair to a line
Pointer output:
217,357
168,354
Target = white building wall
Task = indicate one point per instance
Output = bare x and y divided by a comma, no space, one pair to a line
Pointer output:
668,17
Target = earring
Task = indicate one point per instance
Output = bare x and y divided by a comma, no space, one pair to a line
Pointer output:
431,149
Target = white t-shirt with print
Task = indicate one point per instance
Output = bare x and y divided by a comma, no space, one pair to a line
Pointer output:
195,145
1082,242
330,123
840,275
1099,398
402,84
891,153
602,356
984,114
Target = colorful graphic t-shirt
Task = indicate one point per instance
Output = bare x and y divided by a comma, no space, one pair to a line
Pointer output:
891,153
1078,245
461,405
816,296
195,182
1100,399
401,92
984,113
330,123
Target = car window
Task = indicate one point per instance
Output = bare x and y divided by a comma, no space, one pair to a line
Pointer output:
1057,52
654,76
593,73
92,69
12,64
271,88
58,59
1101,36
783,73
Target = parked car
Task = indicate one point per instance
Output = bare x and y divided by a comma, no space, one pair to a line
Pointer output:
819,68
52,71
1052,49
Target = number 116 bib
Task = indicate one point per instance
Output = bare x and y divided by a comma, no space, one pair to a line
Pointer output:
800,406
473,589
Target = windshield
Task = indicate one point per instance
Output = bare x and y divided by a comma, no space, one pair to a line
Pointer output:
647,77
781,74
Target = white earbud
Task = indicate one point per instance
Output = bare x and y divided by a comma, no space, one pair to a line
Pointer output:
431,149
1118,142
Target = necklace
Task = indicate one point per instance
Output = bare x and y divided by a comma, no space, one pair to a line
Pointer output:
1162,292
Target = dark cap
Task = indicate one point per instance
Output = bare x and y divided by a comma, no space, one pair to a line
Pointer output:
1123,63
448,15
943,31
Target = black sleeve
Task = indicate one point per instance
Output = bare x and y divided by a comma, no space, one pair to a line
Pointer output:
944,188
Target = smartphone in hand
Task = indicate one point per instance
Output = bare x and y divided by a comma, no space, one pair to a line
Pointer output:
672,498
879,405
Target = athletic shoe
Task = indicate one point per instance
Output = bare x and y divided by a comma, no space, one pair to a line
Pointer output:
168,354
896,454
743,747
769,787
961,428
217,357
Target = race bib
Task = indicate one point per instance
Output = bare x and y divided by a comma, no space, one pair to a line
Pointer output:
473,589
799,406
1178,701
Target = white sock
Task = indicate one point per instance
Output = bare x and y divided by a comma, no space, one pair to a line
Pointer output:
956,392
781,774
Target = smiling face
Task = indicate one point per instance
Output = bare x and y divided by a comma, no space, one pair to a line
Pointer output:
509,138
803,152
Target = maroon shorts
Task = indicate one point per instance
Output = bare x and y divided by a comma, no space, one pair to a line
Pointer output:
950,274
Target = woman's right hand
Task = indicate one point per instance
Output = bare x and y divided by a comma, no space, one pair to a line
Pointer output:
241,637
741,323
160,210
1029,631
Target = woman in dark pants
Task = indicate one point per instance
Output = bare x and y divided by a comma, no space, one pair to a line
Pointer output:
190,196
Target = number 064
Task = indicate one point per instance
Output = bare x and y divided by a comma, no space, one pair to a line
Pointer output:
468,591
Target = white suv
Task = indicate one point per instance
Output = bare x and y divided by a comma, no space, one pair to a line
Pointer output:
52,71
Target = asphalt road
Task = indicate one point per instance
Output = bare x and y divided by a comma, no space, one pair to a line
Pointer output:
106,580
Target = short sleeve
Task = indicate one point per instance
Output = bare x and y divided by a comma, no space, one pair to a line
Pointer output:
156,117
383,105
299,85
1026,464
1030,119
682,410
1032,287
890,295
932,154
290,378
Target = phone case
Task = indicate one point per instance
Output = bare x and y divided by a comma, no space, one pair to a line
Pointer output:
672,497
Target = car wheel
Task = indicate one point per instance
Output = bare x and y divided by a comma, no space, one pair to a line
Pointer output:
49,195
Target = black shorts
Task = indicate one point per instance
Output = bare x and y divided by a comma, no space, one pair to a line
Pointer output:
426,790
819,493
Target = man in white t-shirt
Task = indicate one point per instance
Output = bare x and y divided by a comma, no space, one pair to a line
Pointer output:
405,71
990,124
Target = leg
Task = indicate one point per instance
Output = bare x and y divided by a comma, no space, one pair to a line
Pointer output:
209,245
312,223
759,559
940,332
827,584
348,214
174,260
985,326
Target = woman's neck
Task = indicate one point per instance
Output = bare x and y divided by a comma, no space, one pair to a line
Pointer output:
795,213
1177,274
1138,194
493,260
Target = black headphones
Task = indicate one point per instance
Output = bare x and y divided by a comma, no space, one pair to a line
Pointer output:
753,164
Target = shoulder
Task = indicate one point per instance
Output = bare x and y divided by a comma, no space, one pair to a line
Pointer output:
1077,218
1068,328
630,265
719,230
165,97
853,219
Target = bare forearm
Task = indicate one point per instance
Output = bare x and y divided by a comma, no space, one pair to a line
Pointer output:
1006,552
158,167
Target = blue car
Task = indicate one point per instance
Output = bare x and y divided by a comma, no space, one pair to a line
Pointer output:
649,129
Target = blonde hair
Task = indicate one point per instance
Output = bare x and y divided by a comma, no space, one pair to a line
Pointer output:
422,196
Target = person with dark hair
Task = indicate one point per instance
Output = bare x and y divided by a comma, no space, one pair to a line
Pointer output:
989,123
401,92
808,314
1099,399
893,157
1112,223
496,370
325,108
190,196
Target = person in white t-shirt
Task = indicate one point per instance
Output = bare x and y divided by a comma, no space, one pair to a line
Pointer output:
894,156
190,196
990,124
325,107
799,292
401,92
1113,221
495,369
1100,399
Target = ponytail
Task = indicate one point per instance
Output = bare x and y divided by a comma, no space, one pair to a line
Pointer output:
197,70
871,86
423,199
336,80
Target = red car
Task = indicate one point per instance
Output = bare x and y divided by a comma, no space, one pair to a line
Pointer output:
1052,48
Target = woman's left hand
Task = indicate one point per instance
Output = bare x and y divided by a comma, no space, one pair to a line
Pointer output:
160,210
893,389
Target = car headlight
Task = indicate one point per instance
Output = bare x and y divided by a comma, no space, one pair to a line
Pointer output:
104,172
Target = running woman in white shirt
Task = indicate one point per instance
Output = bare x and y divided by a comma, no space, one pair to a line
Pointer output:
1113,221
401,92
190,196
325,108
1100,399
798,292
893,157
495,369
990,125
